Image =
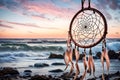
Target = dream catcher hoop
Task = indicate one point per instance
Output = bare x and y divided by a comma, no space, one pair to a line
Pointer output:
88,28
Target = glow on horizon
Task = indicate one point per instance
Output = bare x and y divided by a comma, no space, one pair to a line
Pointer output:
49,18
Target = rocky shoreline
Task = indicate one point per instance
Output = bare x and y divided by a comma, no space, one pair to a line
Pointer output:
8,73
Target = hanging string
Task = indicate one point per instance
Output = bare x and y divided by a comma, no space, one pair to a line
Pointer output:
83,1
89,3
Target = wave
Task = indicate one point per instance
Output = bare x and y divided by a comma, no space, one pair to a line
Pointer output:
42,45
32,41
22,55
25,47
114,46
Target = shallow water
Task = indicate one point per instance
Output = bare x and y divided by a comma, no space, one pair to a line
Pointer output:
27,64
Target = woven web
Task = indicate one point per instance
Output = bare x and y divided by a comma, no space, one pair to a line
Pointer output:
87,28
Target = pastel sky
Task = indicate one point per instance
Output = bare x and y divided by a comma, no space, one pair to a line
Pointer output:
50,18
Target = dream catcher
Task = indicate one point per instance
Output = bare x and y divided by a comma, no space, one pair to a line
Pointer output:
88,28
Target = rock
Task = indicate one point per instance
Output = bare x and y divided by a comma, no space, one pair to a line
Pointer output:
67,76
56,70
98,55
91,79
30,66
58,56
50,76
40,77
27,73
119,58
81,56
41,65
117,73
57,63
112,54
104,76
117,78
94,57
9,72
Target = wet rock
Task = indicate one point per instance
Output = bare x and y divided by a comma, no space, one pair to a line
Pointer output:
8,72
94,57
102,75
81,56
30,66
40,77
118,55
112,54
57,63
98,55
41,65
119,58
117,78
58,56
117,73
56,70
67,76
27,73
91,79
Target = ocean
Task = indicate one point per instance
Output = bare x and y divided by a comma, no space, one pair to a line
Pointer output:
24,53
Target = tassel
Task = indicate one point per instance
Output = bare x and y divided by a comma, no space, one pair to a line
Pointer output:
102,58
76,51
85,65
105,56
66,58
107,60
72,65
67,55
91,65
77,58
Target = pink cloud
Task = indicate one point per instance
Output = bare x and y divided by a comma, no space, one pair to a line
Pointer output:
3,24
50,9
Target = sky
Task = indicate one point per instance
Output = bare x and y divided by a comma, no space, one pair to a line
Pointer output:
50,18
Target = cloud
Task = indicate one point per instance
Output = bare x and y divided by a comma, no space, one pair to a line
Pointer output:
106,5
20,24
112,4
40,9
49,10
25,24
118,19
3,24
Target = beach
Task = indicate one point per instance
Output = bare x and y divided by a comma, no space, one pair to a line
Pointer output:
31,57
